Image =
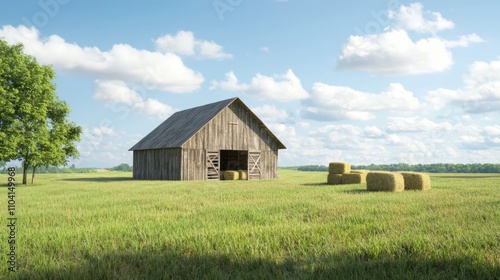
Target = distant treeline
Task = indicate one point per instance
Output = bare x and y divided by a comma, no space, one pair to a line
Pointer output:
57,169
429,168
52,169
121,167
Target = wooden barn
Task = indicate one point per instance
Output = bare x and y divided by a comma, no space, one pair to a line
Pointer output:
201,142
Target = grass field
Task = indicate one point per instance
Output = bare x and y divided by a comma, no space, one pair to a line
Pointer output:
108,226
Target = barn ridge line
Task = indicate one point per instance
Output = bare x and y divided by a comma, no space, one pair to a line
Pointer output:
176,130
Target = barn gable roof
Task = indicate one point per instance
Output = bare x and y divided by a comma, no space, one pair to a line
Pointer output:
183,125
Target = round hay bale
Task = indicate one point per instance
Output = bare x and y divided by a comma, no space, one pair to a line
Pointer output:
243,174
231,175
334,179
339,168
353,178
416,181
384,181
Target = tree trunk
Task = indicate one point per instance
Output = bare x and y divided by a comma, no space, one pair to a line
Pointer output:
25,171
33,175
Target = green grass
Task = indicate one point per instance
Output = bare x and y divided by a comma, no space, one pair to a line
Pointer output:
107,226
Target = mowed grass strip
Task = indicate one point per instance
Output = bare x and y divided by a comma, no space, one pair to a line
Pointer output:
107,226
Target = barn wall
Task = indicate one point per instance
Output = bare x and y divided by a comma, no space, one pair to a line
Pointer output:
193,165
269,164
157,164
234,128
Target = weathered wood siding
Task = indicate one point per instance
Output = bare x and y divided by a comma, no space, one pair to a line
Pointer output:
234,128
269,164
193,166
157,164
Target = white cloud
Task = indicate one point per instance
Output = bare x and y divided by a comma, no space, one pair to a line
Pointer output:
414,18
437,99
305,125
372,132
329,103
103,131
492,130
117,92
370,144
480,92
264,49
184,43
230,84
496,141
347,137
101,146
150,70
472,139
395,53
416,124
270,114
464,41
283,131
466,118
283,87
212,50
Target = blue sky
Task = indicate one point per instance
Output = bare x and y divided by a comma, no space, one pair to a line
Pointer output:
362,81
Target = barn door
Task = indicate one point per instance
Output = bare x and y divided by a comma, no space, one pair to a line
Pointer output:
213,159
254,165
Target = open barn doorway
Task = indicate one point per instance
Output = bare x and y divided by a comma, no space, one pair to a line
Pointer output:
233,160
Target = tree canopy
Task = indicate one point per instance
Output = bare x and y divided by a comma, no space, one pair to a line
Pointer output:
33,122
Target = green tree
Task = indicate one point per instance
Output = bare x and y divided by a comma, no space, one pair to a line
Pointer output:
33,122
122,167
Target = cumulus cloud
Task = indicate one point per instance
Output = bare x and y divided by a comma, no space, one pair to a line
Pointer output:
372,132
394,52
479,94
270,114
150,70
184,43
413,17
464,41
102,144
103,131
282,87
330,103
416,124
371,144
117,92
93,137
344,136
492,130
